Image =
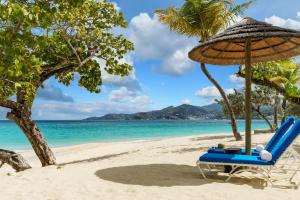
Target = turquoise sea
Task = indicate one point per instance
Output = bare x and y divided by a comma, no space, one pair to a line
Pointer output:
63,133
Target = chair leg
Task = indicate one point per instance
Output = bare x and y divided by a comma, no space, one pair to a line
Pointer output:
209,168
267,174
295,172
201,171
261,171
231,173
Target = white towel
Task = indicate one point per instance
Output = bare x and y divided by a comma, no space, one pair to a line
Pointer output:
265,155
260,147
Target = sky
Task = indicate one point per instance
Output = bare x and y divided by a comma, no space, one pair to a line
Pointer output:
162,75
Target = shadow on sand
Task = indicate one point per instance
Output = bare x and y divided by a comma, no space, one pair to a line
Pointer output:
167,175
94,159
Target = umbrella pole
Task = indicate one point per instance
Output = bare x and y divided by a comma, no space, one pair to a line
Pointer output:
248,107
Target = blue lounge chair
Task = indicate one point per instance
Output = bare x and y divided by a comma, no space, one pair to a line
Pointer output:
271,144
253,163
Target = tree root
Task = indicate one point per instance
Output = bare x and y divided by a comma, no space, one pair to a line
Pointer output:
15,160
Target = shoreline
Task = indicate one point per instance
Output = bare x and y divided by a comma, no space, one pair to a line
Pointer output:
202,136
69,134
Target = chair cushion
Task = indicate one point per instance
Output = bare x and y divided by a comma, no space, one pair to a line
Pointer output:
286,141
233,159
220,151
274,140
280,133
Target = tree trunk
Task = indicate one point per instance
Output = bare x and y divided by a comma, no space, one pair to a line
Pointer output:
283,106
13,159
24,121
236,134
276,112
263,117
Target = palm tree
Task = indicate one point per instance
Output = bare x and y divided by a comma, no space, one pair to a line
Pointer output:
204,19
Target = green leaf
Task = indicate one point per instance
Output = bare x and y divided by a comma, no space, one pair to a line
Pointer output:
40,38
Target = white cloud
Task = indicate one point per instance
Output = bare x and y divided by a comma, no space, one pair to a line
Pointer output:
297,59
185,101
49,92
177,63
285,23
238,81
75,111
123,94
211,92
155,41
121,100
235,21
141,99
235,79
129,81
229,91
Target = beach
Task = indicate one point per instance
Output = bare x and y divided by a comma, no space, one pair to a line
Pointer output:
142,169
141,100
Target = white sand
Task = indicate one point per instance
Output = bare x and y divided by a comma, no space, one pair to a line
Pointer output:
144,170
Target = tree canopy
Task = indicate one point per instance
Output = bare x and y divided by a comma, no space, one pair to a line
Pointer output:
283,76
40,39
262,96
202,19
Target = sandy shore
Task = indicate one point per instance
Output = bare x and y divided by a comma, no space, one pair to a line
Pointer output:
161,169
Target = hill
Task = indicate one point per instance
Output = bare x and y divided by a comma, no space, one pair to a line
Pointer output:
182,112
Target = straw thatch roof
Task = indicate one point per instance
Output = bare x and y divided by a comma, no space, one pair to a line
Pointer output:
267,43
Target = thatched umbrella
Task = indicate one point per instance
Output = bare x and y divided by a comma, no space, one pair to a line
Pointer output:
248,42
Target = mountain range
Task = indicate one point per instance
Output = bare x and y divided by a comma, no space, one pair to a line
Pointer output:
182,112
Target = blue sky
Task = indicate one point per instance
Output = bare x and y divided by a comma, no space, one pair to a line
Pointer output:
163,75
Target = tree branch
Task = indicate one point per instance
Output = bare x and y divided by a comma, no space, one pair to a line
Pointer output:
8,104
263,116
271,84
74,51
87,59
51,69
65,66
54,66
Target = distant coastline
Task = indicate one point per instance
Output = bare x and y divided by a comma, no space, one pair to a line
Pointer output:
183,112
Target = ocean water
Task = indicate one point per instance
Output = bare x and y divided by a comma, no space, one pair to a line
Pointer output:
64,133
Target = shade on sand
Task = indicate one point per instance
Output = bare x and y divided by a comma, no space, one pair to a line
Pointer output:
248,42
